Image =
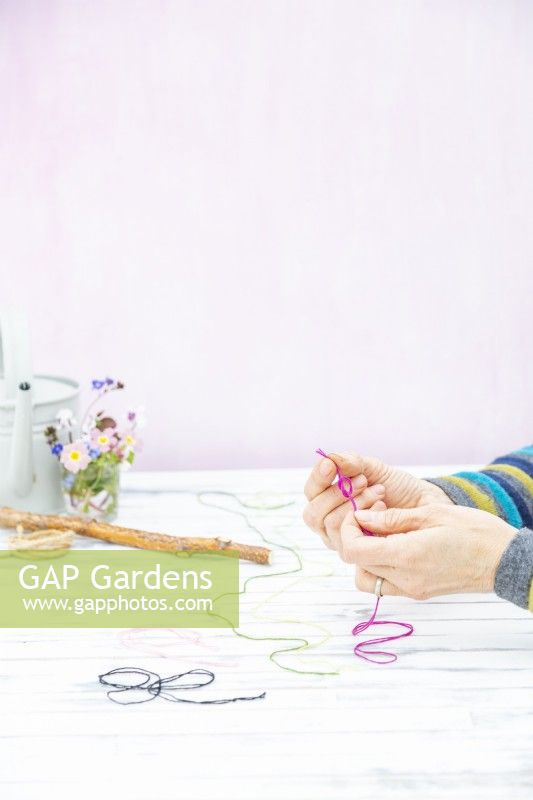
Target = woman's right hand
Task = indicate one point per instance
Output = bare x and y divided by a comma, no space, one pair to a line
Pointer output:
373,482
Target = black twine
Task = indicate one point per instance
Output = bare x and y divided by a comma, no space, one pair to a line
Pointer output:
156,686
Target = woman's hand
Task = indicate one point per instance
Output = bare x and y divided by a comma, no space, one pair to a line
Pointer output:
425,552
373,482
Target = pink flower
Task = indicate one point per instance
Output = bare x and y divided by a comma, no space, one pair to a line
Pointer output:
104,440
74,456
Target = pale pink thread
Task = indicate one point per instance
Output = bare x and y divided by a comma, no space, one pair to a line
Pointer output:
345,485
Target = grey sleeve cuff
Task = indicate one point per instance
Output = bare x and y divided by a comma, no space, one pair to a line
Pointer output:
515,571
454,492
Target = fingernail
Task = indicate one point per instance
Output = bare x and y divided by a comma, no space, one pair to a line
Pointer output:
379,489
326,467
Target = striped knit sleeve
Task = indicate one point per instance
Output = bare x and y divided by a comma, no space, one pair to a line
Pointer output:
505,488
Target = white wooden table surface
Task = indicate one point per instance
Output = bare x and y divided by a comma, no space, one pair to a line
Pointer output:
453,718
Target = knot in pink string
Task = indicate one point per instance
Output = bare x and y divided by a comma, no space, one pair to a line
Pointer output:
345,485
343,481
361,649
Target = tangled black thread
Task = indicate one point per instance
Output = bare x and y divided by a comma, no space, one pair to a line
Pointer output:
155,686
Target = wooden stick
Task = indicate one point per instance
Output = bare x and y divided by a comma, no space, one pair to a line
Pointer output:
10,518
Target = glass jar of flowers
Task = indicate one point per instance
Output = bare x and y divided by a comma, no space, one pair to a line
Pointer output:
91,459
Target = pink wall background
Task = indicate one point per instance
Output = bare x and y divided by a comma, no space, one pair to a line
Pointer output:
284,224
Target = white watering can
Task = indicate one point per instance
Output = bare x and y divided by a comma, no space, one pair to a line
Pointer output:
29,473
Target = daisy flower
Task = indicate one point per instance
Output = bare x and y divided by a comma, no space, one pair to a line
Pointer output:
74,457
128,440
103,440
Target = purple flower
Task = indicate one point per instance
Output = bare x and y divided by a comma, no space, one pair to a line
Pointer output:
97,384
109,381
57,448
94,452
131,415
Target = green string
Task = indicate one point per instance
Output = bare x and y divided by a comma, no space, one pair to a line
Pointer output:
299,644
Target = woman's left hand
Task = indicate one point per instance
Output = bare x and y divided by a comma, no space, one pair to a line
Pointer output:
427,551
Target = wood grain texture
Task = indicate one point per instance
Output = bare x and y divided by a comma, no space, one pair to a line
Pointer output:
453,718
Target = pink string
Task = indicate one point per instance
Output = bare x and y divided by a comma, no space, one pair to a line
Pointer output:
360,650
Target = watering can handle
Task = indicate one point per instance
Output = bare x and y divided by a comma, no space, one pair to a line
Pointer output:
15,351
